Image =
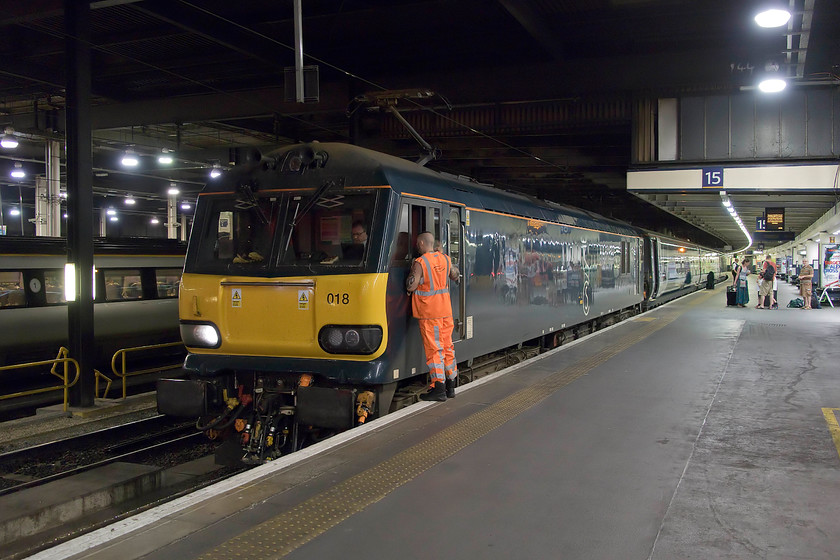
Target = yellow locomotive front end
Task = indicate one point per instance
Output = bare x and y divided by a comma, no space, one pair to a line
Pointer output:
284,305
312,317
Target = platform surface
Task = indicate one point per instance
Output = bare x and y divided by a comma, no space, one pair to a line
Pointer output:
693,431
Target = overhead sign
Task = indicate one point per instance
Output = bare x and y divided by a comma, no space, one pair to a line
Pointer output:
712,177
760,223
766,236
775,219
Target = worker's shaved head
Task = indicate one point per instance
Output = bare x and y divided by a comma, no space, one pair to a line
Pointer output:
425,242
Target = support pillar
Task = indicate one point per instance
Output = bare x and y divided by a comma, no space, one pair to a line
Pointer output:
80,196
103,222
53,159
172,217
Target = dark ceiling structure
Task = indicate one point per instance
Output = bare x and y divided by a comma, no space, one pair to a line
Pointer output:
536,96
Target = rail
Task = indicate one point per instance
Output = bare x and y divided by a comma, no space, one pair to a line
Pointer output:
121,356
62,358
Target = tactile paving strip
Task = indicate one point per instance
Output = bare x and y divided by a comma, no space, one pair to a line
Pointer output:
285,532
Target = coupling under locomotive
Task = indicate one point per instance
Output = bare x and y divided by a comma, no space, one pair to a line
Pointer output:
293,307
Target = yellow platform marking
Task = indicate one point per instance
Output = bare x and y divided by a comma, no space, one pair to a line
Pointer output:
295,527
833,426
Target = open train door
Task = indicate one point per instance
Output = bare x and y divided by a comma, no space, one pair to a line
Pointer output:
454,247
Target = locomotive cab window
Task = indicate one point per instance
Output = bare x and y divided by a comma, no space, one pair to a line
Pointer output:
401,250
333,230
415,218
454,248
268,234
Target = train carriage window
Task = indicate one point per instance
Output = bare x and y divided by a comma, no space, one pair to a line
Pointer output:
123,285
167,280
54,284
12,293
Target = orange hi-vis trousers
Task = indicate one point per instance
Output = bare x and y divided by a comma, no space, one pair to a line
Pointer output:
440,352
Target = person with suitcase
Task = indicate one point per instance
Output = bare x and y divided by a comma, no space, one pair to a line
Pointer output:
742,294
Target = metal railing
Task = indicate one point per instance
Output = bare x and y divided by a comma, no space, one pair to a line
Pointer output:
121,356
62,358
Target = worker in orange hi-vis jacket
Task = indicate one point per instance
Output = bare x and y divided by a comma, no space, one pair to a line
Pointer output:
428,284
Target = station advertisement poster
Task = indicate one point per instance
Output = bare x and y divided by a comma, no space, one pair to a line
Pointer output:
830,264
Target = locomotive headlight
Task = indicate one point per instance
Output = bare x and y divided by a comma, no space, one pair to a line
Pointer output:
341,339
335,337
200,335
351,337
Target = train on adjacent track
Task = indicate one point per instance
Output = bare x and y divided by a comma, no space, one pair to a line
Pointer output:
295,328
136,287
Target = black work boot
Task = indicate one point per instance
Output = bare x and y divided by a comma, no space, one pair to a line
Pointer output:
435,393
450,388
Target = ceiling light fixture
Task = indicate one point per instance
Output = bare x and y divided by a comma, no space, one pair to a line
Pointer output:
727,203
18,172
772,85
111,212
173,190
130,201
772,18
114,218
154,221
165,157
216,171
14,212
8,139
185,206
130,159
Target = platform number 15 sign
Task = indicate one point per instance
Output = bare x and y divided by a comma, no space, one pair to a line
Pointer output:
713,177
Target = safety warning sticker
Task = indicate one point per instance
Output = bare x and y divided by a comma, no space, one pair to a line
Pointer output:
236,297
303,299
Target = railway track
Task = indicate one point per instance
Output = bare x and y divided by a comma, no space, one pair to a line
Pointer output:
38,482
137,441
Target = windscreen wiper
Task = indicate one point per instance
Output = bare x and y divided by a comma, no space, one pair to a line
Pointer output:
249,202
301,212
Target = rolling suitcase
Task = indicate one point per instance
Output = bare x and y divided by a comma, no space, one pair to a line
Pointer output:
730,295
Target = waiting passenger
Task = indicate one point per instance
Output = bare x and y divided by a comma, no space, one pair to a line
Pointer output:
742,295
765,285
806,275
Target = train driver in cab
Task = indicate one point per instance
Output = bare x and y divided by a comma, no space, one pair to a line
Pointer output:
428,284
359,232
